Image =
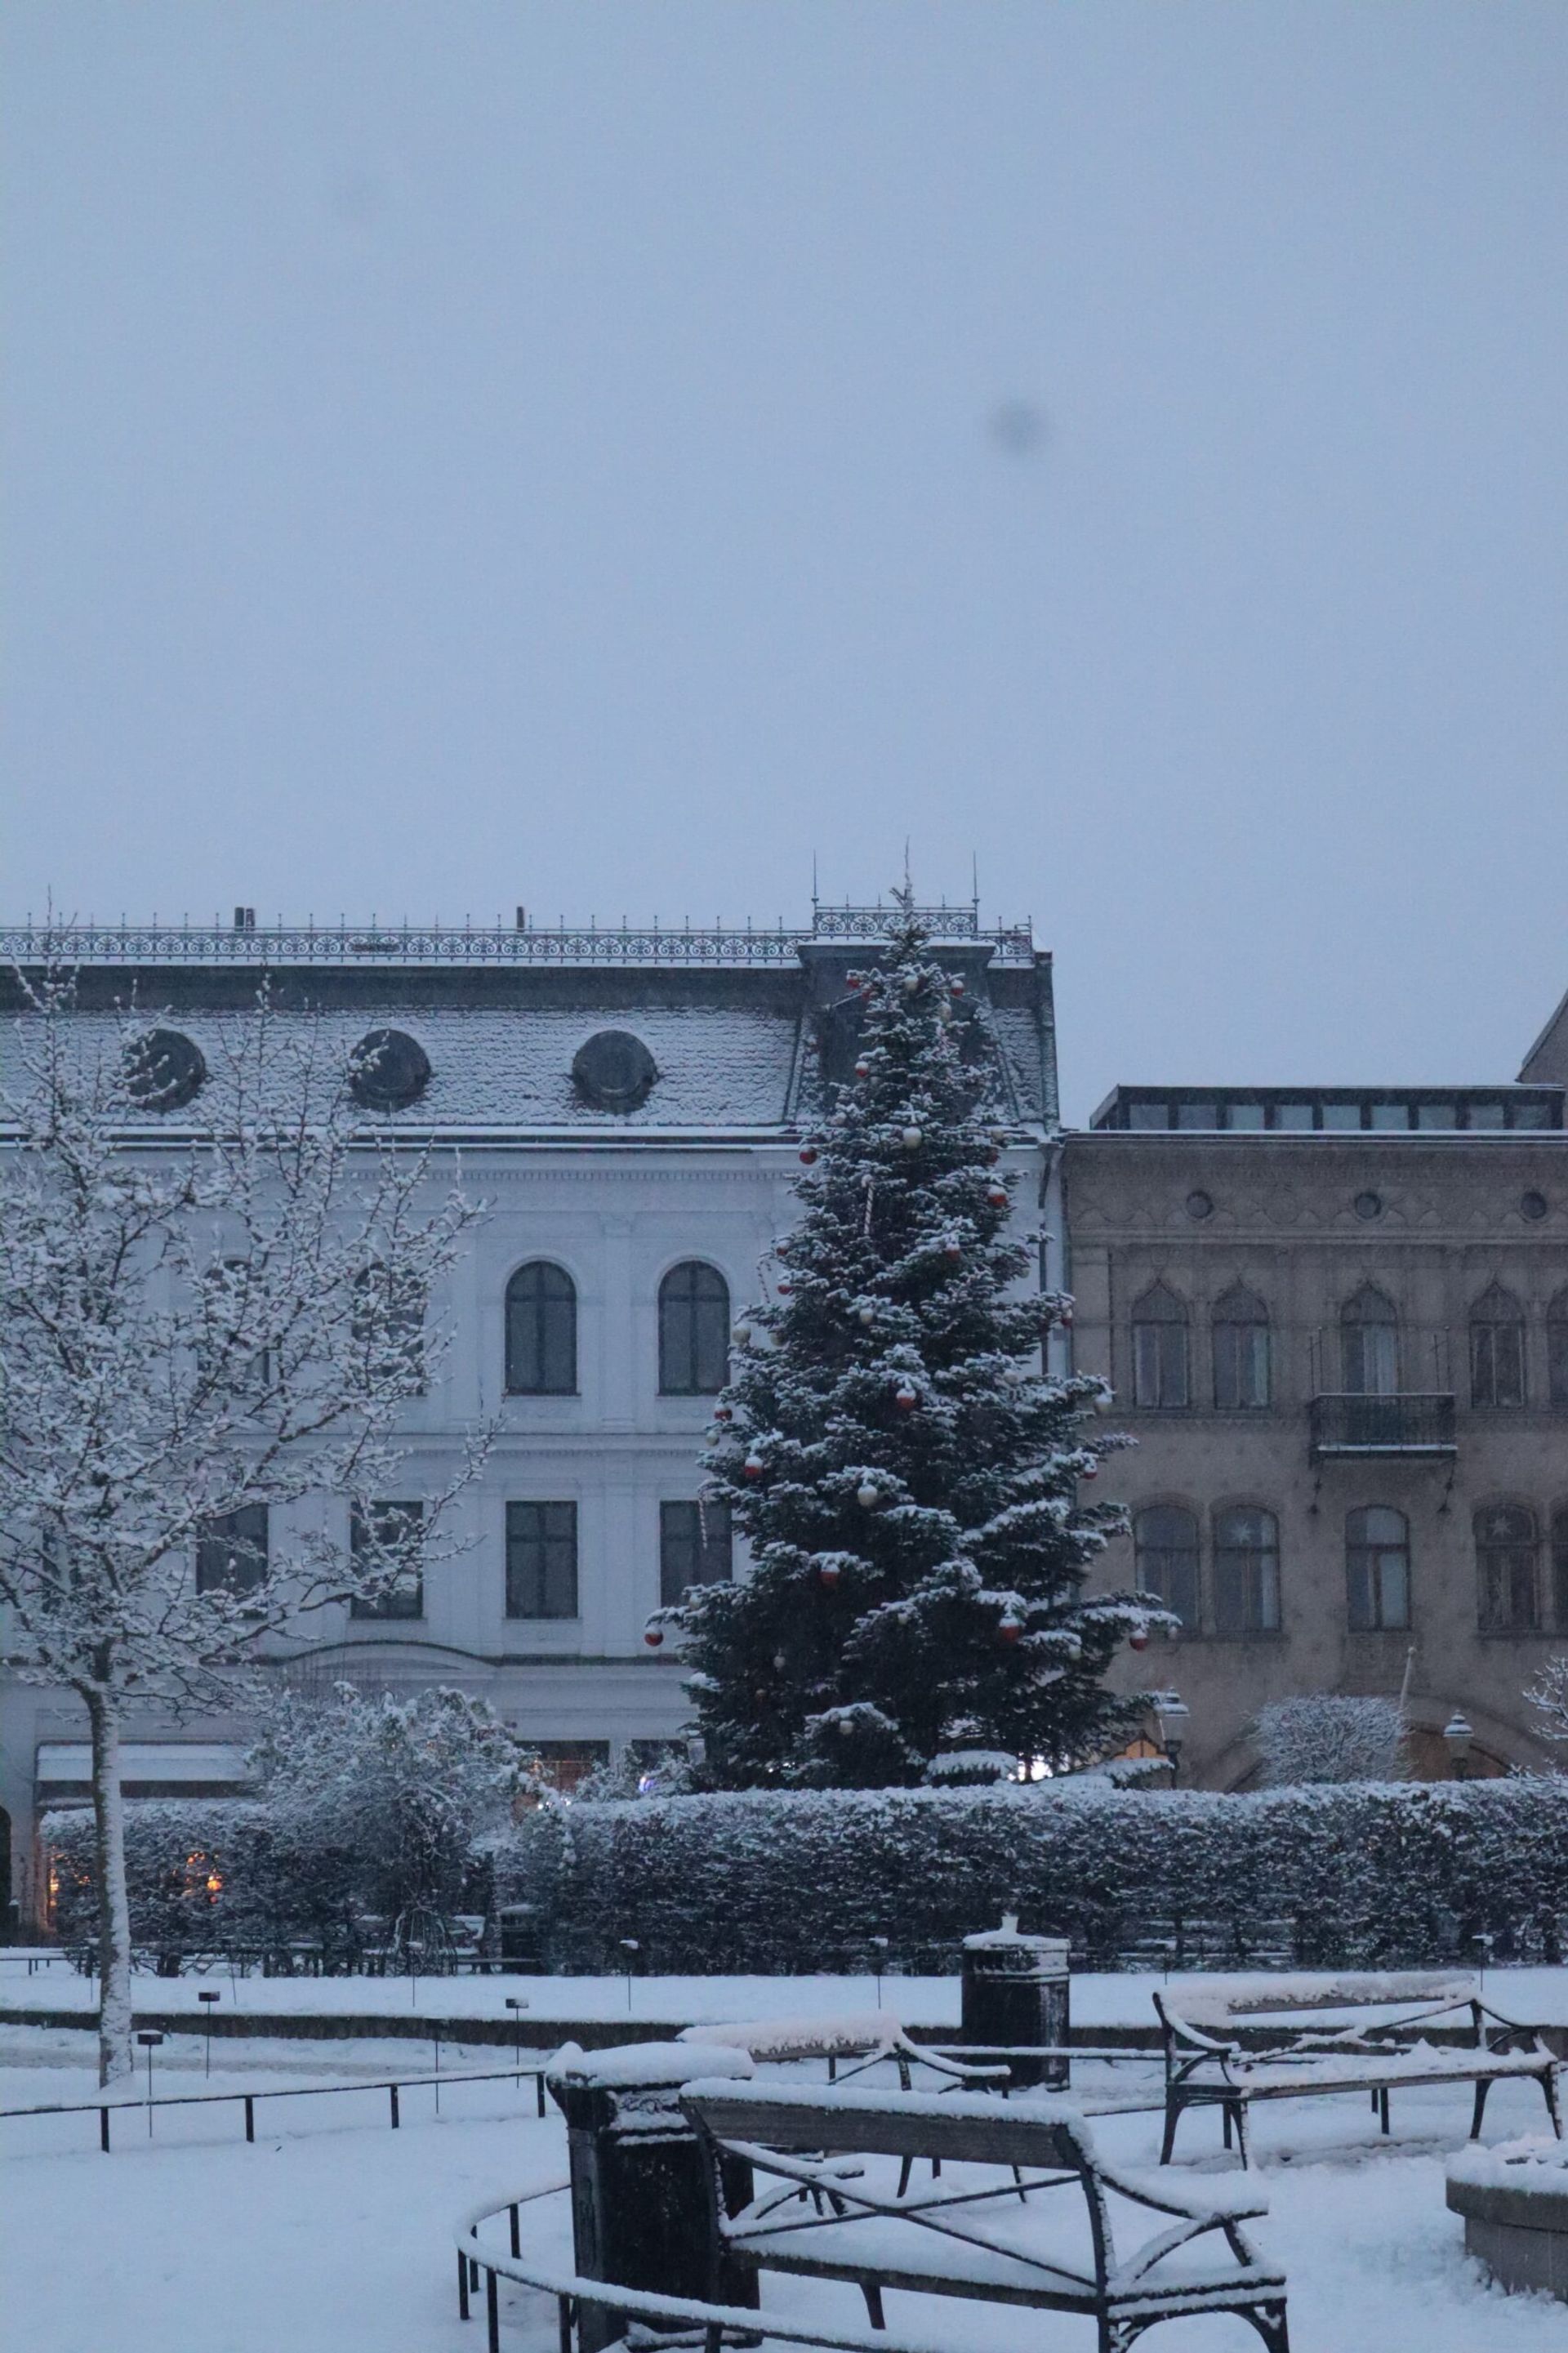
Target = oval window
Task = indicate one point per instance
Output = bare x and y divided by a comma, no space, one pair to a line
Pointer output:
388,1070
164,1070
614,1070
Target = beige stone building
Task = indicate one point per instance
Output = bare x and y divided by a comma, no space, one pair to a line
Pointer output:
1336,1322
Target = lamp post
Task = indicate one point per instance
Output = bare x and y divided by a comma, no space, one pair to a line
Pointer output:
149,2043
1172,1713
1457,1736
207,1996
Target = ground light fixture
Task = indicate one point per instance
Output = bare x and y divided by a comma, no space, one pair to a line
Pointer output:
149,2042
1173,1715
1457,1736
207,1996
516,2003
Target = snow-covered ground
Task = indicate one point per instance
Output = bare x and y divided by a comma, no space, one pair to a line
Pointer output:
333,2235
1539,1996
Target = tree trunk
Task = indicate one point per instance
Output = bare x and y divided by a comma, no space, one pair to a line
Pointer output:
114,2051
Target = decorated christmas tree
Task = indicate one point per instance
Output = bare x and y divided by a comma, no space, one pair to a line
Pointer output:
907,1472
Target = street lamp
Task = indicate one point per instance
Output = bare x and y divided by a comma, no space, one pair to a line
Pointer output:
1172,1713
1457,1736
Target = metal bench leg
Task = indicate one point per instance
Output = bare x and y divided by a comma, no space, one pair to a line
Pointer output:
1241,2134
1225,2125
906,2167
462,2286
1382,2110
563,2316
1483,2086
1169,2142
872,2292
1549,2086
1269,2321
492,2313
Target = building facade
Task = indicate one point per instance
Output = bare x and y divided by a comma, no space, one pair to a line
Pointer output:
631,1107
1336,1322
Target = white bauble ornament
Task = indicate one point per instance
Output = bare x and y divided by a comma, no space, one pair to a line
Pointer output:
866,1314
911,982
868,1496
913,1139
741,1335
1014,1376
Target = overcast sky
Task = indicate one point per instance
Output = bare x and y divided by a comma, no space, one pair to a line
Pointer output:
465,452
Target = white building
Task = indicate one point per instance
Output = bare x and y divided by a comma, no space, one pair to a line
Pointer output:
631,1105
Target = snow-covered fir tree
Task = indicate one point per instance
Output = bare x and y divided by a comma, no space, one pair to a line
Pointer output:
907,1472
190,1337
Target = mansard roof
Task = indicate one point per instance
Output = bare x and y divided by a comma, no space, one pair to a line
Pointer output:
735,1021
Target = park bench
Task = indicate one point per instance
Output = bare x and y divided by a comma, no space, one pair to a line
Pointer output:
1002,2226
1209,2064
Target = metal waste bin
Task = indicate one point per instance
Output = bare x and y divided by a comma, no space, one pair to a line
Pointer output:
1016,1991
520,1939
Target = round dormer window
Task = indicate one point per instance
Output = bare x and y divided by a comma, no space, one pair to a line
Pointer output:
614,1070
388,1070
164,1070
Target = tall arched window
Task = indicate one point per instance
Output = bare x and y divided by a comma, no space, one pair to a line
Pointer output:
1560,1567
1377,1568
1246,1570
1497,1349
1506,1580
1368,1343
693,1330
1165,1552
541,1332
1159,1350
231,1551
1557,1348
389,1322
1240,1351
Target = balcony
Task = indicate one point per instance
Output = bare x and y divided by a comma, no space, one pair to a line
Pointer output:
1418,1425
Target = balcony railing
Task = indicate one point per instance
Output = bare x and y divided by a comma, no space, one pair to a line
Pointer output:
1415,1424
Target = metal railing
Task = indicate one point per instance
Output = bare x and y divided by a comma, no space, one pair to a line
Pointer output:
393,2085
1412,1424
468,945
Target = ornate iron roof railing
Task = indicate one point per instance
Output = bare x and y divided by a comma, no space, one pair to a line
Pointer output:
409,944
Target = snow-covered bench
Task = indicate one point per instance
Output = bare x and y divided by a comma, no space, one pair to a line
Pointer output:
866,2038
1003,2228
1207,2065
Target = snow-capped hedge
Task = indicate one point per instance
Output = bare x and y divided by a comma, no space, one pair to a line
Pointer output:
1364,1874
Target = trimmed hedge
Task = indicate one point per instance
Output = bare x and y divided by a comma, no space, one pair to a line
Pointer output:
1364,1874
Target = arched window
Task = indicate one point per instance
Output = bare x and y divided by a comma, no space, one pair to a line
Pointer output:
231,1552
1505,1568
693,1330
1560,1567
541,1332
1377,1568
389,1322
1497,1349
1557,1348
1165,1551
1240,1351
1246,1570
1368,1343
1159,1350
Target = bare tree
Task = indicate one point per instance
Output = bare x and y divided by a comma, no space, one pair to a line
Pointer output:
198,1331
1323,1736
1548,1696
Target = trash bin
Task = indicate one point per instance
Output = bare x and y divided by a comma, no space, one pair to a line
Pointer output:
1015,1991
520,1939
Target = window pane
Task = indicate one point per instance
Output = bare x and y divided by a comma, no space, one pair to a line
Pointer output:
1197,1114
1531,1114
693,1331
1247,1572
1390,1114
1377,1569
1246,1115
1148,1115
392,1524
1293,1115
695,1547
542,1560
1486,1114
1165,1543
541,1332
1505,1564
1557,1354
231,1552
1560,1567
1341,1115
1444,1114
1240,1365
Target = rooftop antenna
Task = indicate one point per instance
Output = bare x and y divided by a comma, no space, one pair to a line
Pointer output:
974,882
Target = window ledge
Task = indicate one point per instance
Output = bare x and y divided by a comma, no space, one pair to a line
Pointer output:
1255,1634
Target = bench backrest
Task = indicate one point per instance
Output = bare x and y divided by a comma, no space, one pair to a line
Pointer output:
965,2130
1266,2002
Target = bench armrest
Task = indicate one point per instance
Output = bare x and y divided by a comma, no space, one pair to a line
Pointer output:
1244,2202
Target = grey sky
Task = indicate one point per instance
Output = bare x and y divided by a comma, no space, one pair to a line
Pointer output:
459,454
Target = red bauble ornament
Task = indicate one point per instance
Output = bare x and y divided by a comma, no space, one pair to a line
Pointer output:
862,1070
1139,1639
829,1574
992,1157
997,1195
753,1466
783,1287
957,987
1009,1629
653,1636
1065,1319
809,1155
1092,1471
723,1413
952,1249
905,1399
